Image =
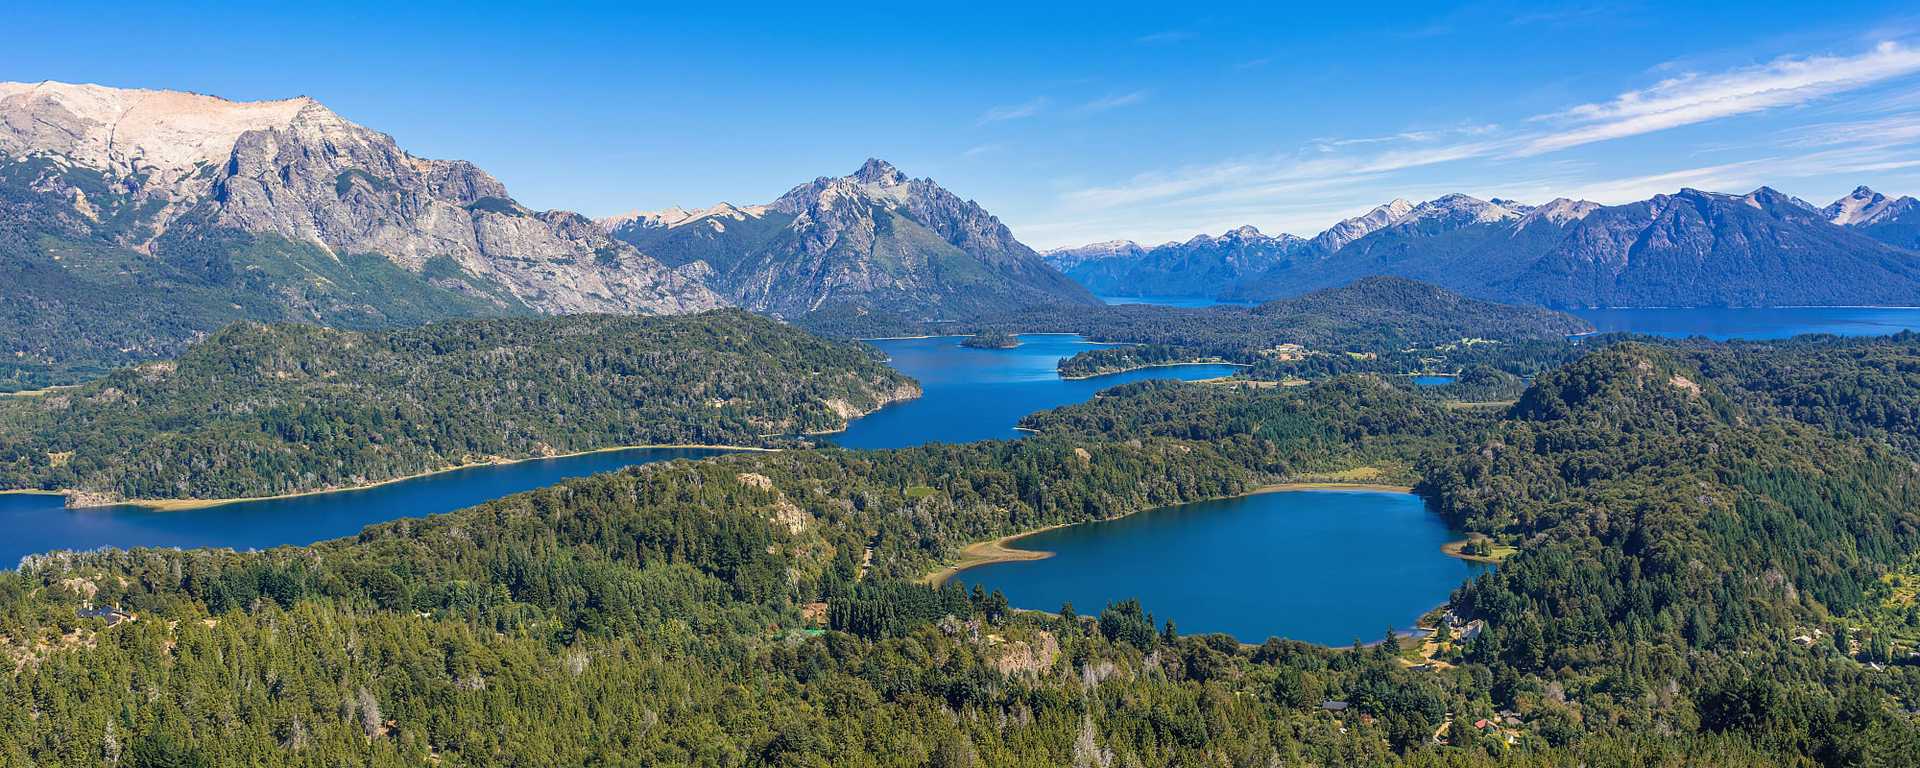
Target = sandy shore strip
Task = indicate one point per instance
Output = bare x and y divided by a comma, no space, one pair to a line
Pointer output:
179,505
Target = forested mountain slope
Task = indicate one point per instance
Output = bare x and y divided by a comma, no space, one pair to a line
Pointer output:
260,410
648,615
133,222
1380,324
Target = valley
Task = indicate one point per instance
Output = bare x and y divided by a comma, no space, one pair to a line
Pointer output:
320,448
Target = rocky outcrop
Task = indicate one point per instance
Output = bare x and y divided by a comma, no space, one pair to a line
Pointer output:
1893,220
193,166
1692,248
874,240
1198,267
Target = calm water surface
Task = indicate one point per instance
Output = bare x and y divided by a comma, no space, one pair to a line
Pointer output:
980,394
971,394
1321,566
41,523
1765,323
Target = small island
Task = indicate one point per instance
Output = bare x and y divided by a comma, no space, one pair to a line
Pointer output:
991,340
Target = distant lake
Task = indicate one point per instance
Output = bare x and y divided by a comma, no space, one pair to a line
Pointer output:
1326,567
1432,380
36,523
980,394
1189,302
1763,323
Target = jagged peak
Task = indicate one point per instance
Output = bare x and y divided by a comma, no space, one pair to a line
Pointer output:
1560,210
118,128
676,216
1864,206
880,172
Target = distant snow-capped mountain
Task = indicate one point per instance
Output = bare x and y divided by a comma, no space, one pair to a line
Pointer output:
1687,249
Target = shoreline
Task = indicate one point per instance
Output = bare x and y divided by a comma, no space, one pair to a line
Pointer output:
183,505
1000,550
1215,361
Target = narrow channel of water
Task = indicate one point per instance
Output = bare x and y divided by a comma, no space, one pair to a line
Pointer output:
37,523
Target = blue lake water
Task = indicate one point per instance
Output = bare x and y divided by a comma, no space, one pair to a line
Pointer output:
971,394
1189,302
1761,323
1321,566
1432,380
980,394
37,523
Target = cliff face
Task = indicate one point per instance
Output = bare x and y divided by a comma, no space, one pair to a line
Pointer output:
874,240
296,170
138,221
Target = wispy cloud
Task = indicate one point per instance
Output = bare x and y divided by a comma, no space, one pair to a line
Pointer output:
983,149
1114,102
1003,113
1693,98
1165,37
1345,171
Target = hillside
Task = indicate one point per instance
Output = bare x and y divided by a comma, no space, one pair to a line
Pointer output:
874,241
138,221
1672,543
1197,267
259,410
1382,324
1692,248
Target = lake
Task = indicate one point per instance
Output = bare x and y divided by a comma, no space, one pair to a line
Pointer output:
1760,323
970,394
980,394
39,523
1324,566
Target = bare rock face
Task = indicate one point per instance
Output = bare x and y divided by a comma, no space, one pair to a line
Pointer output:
872,240
296,170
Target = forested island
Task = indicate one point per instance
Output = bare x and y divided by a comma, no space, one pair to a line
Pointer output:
1715,549
1375,325
991,340
259,410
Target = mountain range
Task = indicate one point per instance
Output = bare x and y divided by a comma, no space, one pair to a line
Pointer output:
1691,248
871,241
133,222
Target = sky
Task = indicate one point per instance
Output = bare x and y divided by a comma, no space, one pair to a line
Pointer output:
1072,123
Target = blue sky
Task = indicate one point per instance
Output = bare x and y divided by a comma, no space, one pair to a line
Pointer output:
1073,123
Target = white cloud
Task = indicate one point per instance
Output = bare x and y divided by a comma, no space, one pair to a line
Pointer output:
1025,109
1289,189
1695,98
1114,102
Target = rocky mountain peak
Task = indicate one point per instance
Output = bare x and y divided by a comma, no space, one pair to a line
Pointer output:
1865,207
192,164
879,172
1560,211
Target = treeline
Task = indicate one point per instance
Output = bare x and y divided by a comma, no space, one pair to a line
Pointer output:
1689,554
260,410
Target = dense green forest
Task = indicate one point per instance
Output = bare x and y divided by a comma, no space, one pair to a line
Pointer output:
1708,573
1375,325
80,305
259,410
